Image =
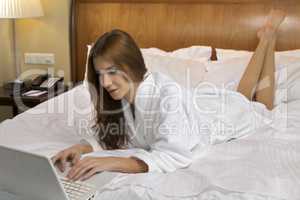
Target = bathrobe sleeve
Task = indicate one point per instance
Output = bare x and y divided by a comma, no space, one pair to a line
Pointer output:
93,141
169,146
170,150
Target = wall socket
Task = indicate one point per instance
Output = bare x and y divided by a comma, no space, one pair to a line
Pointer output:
39,58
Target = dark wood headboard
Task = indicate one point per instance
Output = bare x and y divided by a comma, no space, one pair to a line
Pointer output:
173,24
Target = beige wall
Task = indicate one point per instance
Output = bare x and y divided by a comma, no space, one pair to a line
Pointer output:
48,34
6,54
6,66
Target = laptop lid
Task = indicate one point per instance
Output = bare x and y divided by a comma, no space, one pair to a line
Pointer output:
29,176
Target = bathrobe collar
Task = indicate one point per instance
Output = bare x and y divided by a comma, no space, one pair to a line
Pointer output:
141,103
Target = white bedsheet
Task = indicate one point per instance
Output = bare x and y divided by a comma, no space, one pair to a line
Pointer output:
265,165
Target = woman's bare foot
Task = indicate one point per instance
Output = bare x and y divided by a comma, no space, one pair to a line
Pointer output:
274,20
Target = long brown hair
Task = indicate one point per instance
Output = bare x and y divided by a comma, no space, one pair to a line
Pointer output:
119,48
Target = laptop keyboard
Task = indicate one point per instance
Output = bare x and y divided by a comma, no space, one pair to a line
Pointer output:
77,190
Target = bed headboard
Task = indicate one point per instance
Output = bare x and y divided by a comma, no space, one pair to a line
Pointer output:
173,24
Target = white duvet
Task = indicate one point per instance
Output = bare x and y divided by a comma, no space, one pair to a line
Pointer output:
265,165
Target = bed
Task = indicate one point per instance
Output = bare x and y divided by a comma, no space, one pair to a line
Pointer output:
264,165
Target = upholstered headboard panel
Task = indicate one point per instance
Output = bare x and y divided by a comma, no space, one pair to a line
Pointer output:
173,24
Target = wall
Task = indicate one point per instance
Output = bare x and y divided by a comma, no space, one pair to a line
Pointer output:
6,66
48,34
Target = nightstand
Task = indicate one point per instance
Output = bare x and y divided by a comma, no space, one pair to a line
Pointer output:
6,99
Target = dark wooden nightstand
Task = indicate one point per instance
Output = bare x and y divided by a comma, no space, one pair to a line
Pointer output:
21,103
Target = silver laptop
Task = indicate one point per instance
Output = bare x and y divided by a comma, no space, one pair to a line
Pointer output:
33,177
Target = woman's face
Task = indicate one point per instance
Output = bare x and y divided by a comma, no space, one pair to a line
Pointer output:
112,79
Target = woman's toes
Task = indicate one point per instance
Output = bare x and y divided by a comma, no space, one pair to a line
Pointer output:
276,17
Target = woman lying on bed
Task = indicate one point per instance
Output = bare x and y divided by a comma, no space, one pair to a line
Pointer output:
144,117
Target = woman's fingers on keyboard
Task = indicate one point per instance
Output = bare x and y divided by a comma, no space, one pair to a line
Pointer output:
80,168
82,172
60,161
61,166
54,160
89,174
75,159
63,163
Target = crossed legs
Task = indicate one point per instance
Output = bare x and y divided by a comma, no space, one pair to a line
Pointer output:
257,82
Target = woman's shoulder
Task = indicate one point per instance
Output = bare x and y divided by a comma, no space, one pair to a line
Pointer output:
157,87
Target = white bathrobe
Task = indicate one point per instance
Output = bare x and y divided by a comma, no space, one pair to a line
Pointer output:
174,125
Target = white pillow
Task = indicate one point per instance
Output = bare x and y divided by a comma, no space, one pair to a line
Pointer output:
155,51
293,81
199,53
292,53
227,54
227,74
188,73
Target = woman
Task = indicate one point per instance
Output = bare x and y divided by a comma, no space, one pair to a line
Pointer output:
144,122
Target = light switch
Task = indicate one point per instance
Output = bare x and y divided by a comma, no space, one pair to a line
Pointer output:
39,58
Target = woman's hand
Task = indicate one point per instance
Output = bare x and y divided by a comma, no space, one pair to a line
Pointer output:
71,154
89,166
